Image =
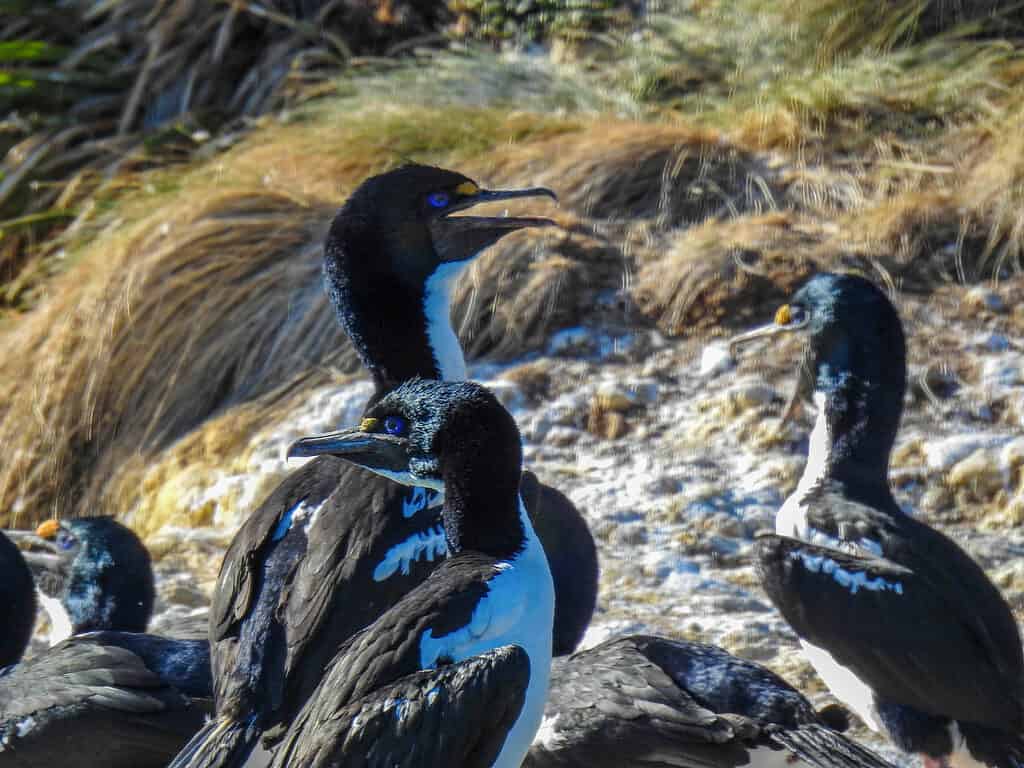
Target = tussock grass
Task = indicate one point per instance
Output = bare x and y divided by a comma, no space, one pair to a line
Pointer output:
204,295
851,27
725,275
214,303
673,175
706,166
769,74
101,88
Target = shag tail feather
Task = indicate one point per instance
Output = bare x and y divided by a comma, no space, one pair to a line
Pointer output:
825,748
218,744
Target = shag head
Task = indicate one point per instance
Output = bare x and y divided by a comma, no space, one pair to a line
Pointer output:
845,318
96,568
855,360
391,259
425,432
412,214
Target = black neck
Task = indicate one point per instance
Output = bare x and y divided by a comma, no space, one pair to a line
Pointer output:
863,386
384,318
481,503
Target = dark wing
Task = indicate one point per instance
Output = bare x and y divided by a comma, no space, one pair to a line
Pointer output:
245,611
612,706
914,638
456,715
342,584
98,700
238,580
18,598
572,556
389,649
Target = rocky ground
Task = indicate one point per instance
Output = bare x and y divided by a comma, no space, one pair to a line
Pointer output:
674,451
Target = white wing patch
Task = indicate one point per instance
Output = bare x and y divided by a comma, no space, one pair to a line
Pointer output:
852,580
862,546
302,513
420,499
429,544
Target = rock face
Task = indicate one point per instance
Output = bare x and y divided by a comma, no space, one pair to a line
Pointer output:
677,458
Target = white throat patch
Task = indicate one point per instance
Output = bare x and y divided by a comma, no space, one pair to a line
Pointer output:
60,622
437,303
792,517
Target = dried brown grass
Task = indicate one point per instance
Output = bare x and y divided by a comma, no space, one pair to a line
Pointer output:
125,85
216,303
723,275
674,175
197,314
208,300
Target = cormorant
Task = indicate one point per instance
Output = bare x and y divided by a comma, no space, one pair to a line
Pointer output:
456,673
900,623
660,703
334,546
108,696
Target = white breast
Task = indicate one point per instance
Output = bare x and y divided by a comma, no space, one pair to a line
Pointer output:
60,622
437,303
845,685
961,757
791,519
518,610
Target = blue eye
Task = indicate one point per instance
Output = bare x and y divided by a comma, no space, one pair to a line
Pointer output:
439,199
395,425
65,542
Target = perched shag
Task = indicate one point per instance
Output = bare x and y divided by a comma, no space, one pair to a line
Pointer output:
112,698
660,703
902,625
93,573
334,546
18,601
480,625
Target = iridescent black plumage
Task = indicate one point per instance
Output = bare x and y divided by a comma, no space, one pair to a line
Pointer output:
903,625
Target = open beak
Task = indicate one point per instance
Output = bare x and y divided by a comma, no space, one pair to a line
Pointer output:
803,387
39,552
772,329
457,238
783,323
382,453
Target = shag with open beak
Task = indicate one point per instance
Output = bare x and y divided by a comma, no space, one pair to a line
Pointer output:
901,624
334,546
788,319
90,573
